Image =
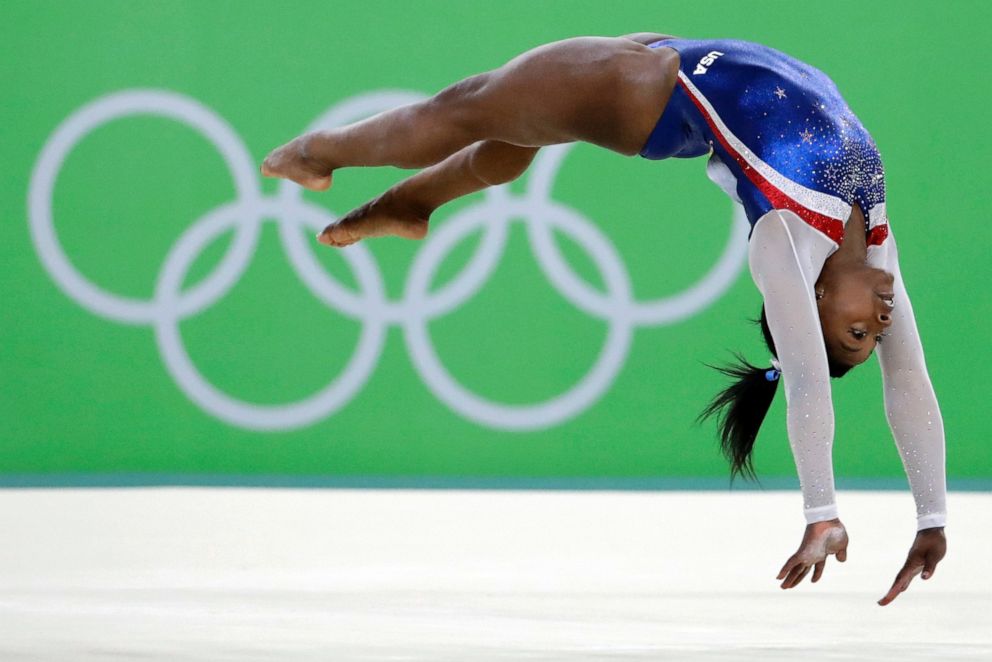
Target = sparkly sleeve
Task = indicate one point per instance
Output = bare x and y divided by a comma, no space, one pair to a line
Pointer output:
910,403
786,256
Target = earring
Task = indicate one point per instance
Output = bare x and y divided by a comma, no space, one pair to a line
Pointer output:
819,294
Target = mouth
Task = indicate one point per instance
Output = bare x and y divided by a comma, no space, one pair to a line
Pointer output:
888,298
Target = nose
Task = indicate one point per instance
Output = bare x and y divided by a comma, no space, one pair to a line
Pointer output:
885,319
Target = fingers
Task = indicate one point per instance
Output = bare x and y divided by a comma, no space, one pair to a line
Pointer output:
821,540
792,562
790,579
903,579
896,589
930,566
795,575
795,570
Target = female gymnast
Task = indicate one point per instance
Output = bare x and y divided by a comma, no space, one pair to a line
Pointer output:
782,142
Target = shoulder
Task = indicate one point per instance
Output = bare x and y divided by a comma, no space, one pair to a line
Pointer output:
781,227
783,245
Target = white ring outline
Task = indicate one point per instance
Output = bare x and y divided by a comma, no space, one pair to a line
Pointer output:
227,408
554,410
540,213
663,310
73,129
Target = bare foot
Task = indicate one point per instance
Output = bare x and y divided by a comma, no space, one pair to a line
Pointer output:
382,217
296,161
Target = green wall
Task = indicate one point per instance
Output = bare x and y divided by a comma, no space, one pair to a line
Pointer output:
98,390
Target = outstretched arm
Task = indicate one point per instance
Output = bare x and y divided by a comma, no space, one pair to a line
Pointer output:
917,427
911,405
786,255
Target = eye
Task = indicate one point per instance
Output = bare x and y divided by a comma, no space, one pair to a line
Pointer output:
859,334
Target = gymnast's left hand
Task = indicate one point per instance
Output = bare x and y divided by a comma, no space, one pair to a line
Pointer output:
820,540
927,551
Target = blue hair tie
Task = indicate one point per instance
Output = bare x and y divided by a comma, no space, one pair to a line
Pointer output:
775,372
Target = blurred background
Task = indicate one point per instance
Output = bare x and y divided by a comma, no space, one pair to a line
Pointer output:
167,318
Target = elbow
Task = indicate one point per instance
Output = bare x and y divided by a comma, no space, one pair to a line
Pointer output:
907,376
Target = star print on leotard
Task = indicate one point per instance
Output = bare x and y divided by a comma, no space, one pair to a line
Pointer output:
778,132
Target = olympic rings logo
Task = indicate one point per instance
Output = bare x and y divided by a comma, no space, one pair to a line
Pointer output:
369,305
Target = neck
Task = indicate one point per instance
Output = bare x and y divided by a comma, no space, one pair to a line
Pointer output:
853,250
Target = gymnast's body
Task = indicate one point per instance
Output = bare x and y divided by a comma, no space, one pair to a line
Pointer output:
780,140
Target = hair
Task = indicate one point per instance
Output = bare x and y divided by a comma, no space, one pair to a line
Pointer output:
741,407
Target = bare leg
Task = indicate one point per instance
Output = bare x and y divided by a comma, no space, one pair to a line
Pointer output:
405,209
605,91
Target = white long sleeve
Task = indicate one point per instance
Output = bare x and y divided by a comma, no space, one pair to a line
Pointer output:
786,256
910,403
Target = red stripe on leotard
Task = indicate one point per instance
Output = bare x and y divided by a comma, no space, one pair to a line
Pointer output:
831,227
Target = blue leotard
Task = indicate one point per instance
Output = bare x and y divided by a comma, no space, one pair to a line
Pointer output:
783,142
779,135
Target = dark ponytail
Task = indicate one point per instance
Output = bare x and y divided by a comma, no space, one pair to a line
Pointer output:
741,407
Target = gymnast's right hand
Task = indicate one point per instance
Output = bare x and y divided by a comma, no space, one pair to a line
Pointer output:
301,161
820,541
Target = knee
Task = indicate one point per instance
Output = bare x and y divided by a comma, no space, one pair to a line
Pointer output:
462,105
463,91
496,163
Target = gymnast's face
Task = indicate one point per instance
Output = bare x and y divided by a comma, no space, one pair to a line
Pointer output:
855,311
